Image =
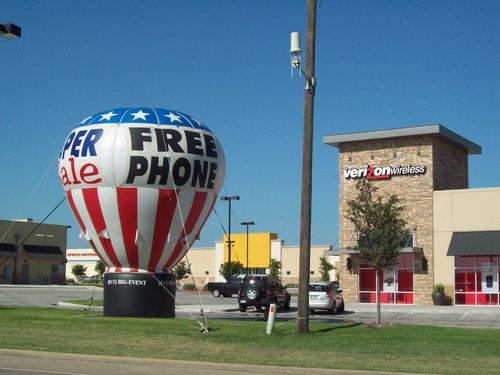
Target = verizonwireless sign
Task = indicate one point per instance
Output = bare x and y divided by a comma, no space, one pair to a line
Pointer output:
383,173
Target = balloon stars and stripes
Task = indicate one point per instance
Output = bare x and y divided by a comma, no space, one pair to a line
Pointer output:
141,183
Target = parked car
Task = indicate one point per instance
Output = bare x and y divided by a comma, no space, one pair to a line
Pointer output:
325,295
260,292
225,289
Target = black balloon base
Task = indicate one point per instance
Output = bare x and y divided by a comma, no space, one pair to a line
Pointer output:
139,295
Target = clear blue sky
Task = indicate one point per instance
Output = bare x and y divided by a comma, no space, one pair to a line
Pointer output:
379,64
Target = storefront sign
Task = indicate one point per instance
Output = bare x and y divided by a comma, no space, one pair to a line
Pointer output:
80,254
383,173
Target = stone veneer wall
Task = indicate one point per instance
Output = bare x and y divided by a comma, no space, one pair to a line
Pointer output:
446,169
451,170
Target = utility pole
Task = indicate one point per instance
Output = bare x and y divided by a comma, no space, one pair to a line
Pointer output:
307,146
229,243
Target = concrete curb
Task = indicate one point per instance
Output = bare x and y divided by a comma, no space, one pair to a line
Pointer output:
184,308
75,306
206,308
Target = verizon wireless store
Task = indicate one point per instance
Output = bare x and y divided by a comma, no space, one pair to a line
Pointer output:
455,238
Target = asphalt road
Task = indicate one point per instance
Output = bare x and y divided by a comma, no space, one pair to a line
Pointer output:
227,308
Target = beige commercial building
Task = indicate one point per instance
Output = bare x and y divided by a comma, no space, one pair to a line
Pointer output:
206,261
467,244
455,230
31,253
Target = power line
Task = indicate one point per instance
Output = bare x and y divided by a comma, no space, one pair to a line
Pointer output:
29,197
33,231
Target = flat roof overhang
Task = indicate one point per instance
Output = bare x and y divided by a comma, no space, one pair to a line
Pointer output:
436,130
474,243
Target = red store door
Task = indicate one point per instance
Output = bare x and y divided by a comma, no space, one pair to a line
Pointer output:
396,283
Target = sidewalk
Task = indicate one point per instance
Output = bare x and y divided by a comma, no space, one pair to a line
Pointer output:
27,361
457,309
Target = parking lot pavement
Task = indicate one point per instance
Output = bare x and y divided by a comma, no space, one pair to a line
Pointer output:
45,295
227,308
488,317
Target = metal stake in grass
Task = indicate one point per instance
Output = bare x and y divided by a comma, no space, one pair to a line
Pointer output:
91,300
270,318
203,327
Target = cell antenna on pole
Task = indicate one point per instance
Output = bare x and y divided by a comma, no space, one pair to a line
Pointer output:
295,52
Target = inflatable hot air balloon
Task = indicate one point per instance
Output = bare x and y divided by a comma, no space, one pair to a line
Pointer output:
141,183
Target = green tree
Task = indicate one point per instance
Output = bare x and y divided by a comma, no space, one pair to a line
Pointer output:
78,270
181,271
236,269
100,268
324,268
381,230
275,269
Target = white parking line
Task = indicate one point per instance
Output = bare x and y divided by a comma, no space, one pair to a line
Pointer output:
402,316
464,316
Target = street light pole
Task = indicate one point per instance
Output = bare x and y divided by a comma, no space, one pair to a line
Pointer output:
229,199
247,223
305,214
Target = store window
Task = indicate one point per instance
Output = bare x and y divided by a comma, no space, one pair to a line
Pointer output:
476,280
396,283
256,271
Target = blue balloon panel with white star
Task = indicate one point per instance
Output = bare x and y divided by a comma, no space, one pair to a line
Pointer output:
144,115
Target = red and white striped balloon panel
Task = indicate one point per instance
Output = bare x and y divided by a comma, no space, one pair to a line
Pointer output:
141,191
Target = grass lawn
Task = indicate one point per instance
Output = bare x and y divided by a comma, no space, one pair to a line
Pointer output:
341,346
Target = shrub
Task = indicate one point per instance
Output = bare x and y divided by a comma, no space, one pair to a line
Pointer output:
181,271
78,270
236,268
324,268
275,269
438,289
70,281
189,287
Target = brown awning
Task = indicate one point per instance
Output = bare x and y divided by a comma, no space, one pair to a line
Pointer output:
39,249
475,243
8,250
